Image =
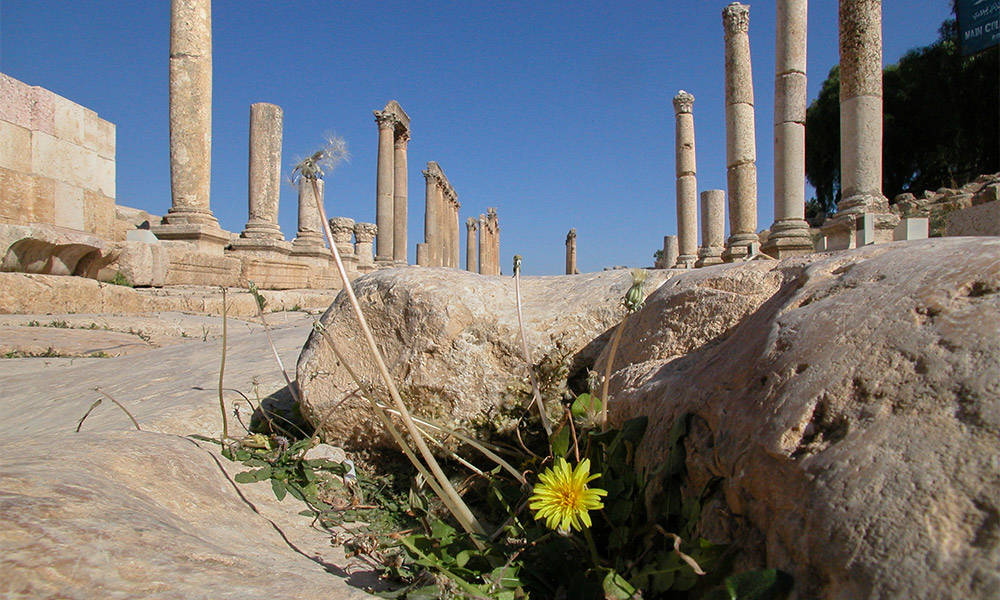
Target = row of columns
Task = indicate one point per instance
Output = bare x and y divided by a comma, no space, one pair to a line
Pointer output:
391,183
441,230
489,243
861,138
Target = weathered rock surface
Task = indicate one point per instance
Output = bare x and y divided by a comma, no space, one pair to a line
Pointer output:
454,340
149,515
850,402
53,250
115,513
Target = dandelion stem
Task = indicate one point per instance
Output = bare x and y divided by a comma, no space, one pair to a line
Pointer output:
536,393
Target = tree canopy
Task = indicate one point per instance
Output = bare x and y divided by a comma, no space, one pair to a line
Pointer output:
941,122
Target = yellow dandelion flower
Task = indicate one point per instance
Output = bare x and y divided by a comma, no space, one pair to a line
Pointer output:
562,497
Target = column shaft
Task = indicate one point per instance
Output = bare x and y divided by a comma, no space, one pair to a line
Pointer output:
384,208
741,152
310,230
687,184
457,249
432,220
264,183
190,112
713,227
571,252
471,264
483,245
399,200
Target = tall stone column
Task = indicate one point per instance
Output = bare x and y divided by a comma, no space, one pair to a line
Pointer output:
384,202
741,141
687,184
456,258
399,213
484,256
432,219
860,127
471,264
265,172
571,252
790,233
713,227
190,112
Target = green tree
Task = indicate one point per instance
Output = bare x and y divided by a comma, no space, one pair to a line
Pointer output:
941,121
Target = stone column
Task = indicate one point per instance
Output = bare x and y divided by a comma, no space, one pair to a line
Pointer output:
309,238
432,220
790,233
713,227
399,212
265,172
364,235
342,230
190,112
483,245
456,257
571,252
741,151
670,251
687,184
384,203
471,264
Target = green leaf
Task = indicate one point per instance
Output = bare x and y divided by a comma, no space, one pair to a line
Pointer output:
560,442
506,575
279,489
462,558
253,476
294,490
769,584
442,531
585,404
616,587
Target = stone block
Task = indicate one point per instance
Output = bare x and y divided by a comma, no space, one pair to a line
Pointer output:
69,211
43,111
141,235
790,98
740,137
983,219
63,161
15,147
98,135
209,239
16,196
140,263
190,267
990,193
104,177
270,274
43,206
99,214
69,120
912,228
16,100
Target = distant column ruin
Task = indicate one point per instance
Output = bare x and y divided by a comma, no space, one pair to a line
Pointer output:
399,199
471,262
393,126
364,235
308,242
860,130
713,227
687,183
741,139
441,232
489,243
668,258
264,181
571,252
484,256
789,234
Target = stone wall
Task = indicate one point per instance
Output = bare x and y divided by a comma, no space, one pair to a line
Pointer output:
57,161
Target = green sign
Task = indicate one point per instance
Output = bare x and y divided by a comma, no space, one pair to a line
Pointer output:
978,24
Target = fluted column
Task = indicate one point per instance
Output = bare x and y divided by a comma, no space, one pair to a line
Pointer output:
861,106
790,233
264,183
571,252
190,112
384,203
687,184
427,256
471,264
713,227
741,151
399,200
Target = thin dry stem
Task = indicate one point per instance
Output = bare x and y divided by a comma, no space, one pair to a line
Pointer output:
87,414
462,512
119,405
607,373
222,371
536,393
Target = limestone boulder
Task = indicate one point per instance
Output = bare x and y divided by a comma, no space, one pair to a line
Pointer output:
451,339
139,263
150,515
848,406
53,250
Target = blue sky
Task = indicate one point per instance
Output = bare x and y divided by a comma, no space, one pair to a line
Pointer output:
559,114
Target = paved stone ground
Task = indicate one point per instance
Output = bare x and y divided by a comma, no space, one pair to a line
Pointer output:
67,488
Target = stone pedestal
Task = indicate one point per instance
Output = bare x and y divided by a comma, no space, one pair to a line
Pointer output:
789,234
713,225
264,182
364,235
741,151
571,252
471,262
860,127
687,184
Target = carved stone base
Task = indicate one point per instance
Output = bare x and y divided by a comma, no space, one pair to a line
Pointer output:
190,267
853,229
205,238
788,238
686,261
708,257
740,246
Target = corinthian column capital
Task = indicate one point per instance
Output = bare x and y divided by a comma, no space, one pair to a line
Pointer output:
683,102
736,18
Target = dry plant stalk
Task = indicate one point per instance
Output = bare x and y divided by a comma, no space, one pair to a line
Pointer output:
536,393
119,405
259,299
222,370
448,494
